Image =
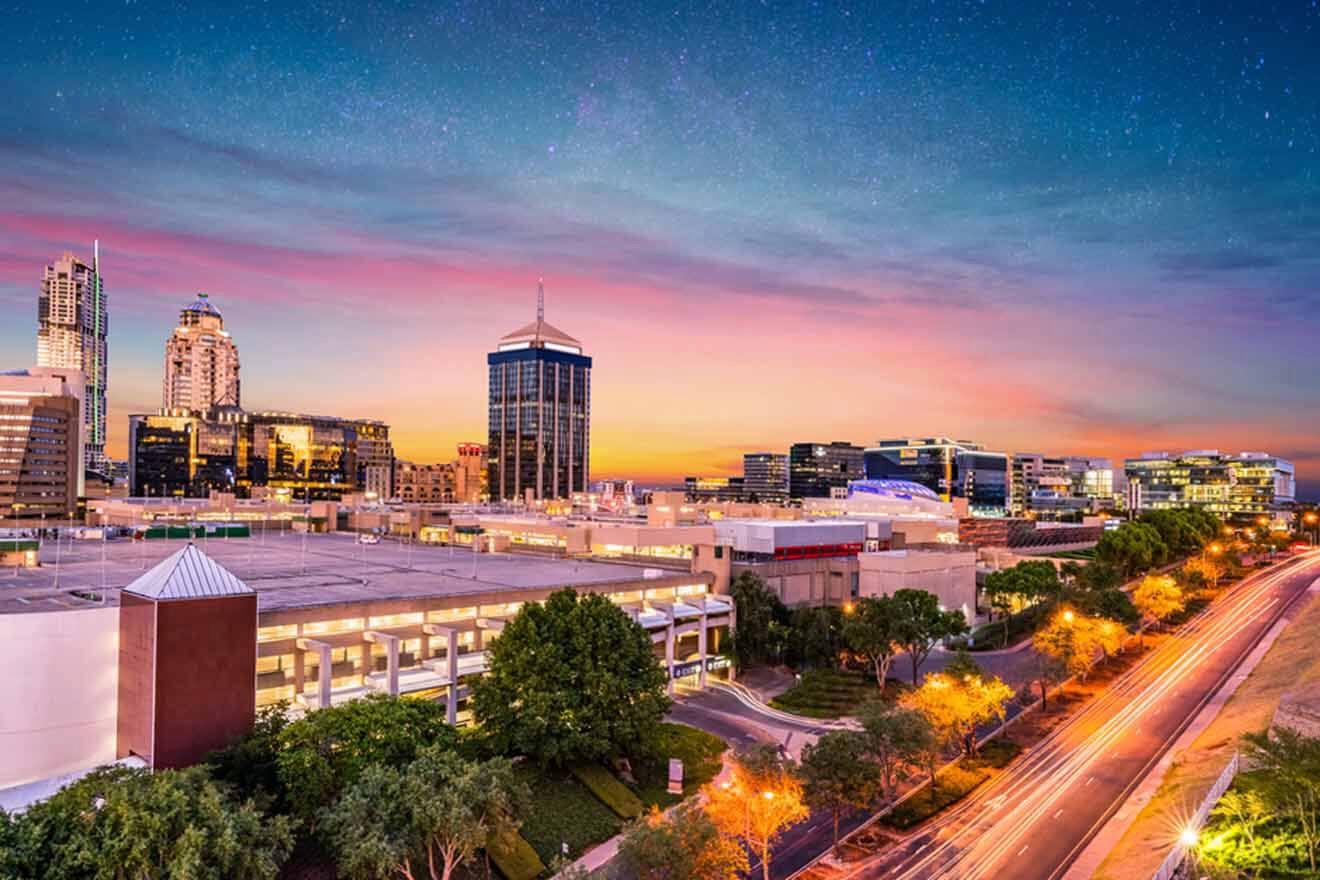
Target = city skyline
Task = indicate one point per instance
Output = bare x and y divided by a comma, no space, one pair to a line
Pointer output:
877,244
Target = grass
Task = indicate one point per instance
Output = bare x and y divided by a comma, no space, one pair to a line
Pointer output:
990,636
1087,554
953,784
609,790
1292,663
515,858
562,810
698,750
829,693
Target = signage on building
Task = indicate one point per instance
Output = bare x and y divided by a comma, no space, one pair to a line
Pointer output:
692,667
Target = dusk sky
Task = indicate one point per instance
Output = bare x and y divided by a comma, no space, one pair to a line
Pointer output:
1045,226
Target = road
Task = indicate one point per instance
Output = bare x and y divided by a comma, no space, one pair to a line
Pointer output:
1032,821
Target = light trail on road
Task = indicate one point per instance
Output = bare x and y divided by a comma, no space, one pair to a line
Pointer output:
974,840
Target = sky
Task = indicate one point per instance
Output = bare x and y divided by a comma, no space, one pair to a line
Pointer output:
1061,227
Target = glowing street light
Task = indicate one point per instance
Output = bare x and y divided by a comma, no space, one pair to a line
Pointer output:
847,608
1189,838
1069,617
768,795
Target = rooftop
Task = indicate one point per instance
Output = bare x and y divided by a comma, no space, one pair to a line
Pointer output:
336,569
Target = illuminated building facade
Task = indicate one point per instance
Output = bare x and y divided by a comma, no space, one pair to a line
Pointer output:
715,488
180,453
816,470
1230,486
71,335
539,413
765,476
41,448
950,468
201,361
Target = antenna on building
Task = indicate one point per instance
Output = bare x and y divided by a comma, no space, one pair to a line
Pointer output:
540,300
96,255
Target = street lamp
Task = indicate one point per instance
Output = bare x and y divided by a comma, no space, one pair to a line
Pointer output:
1189,837
1069,617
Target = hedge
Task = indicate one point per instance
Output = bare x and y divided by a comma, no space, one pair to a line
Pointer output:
610,791
514,857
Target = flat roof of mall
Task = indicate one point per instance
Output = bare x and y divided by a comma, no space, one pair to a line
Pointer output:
338,569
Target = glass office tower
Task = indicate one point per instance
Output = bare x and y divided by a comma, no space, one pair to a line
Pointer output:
951,468
540,413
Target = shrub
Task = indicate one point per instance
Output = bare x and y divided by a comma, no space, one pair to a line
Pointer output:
560,811
954,784
610,791
698,750
514,857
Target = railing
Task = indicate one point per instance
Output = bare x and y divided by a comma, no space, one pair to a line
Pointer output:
1177,858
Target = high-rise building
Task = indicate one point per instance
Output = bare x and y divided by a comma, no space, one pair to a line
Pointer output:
1041,484
539,413
950,468
41,448
765,476
1230,486
715,489
71,334
201,361
461,481
815,470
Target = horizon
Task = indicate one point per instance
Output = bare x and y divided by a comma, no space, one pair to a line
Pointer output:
1066,233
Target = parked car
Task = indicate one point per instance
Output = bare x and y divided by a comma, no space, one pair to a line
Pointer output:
368,538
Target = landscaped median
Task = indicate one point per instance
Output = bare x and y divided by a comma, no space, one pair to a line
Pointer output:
952,784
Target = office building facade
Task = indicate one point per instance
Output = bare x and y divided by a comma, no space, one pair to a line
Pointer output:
41,446
950,468
201,361
765,476
71,335
816,470
1230,486
178,453
715,488
539,413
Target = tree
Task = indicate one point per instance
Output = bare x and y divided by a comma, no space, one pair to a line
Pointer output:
1292,763
572,678
758,611
1184,531
896,738
955,705
763,797
251,762
1157,597
1204,570
816,636
1132,548
869,631
1026,583
433,815
1113,604
838,775
1245,809
325,751
683,844
920,623
171,824
1072,640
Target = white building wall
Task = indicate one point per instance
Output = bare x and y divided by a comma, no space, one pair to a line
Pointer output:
59,695
950,576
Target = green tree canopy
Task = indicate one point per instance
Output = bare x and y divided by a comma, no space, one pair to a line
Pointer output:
921,623
815,636
169,825
1027,583
1132,548
870,632
572,678
431,816
838,774
758,612
683,844
896,738
1183,531
325,751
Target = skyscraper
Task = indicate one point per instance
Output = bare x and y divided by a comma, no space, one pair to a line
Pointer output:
201,361
765,476
815,469
71,333
540,412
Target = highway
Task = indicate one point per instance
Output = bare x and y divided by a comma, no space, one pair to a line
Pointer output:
1035,819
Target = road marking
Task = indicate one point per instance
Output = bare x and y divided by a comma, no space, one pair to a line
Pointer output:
1024,849
1059,813
1089,781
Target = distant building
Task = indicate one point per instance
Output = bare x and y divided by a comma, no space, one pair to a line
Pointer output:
181,453
815,469
457,482
950,468
1230,486
71,335
41,442
201,361
540,413
765,476
715,488
1094,480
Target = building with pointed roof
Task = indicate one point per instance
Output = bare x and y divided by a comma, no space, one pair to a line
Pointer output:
201,361
540,412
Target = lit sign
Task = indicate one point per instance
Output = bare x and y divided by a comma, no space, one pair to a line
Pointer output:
908,454
692,667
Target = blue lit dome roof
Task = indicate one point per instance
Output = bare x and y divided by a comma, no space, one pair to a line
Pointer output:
203,306
891,489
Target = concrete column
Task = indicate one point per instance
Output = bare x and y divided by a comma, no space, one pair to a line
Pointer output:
669,655
323,669
450,634
391,644
701,649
